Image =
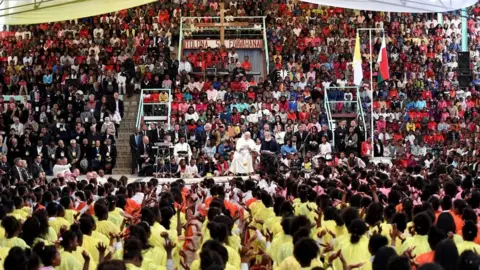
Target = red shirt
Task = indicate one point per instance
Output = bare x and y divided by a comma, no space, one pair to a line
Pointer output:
426,257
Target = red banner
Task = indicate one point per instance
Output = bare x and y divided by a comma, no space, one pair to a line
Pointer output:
229,43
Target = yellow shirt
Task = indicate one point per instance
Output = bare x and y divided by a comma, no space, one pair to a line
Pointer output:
57,223
234,242
69,261
420,242
154,258
13,242
233,257
196,266
3,254
291,263
78,255
410,126
115,218
131,266
106,228
278,241
90,244
17,216
101,237
70,215
354,253
468,245
24,215
2,232
155,239
51,235
285,251
274,225
163,97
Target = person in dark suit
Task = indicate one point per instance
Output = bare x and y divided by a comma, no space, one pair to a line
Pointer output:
157,134
176,133
74,153
134,141
36,168
4,166
145,157
39,149
327,133
109,156
117,105
340,135
301,135
378,148
84,156
61,150
96,156
15,151
17,172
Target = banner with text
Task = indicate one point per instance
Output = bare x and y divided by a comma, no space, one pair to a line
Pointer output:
189,44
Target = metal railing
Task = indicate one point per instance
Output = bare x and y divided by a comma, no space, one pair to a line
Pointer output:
329,116
141,104
361,114
359,108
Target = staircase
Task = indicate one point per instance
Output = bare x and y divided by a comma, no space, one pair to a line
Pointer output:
127,127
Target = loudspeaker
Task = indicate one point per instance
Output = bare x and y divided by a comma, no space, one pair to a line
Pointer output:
463,60
464,77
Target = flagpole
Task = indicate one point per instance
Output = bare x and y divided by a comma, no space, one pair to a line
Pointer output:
371,84
371,91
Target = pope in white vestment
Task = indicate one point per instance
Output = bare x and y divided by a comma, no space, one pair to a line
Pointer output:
242,159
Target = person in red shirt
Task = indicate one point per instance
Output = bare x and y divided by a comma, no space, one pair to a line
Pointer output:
247,65
366,148
435,236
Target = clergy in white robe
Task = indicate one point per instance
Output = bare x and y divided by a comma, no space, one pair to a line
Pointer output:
182,150
242,159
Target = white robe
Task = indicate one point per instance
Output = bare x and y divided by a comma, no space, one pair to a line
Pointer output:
182,147
242,159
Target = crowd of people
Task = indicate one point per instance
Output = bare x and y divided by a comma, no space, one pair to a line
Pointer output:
309,198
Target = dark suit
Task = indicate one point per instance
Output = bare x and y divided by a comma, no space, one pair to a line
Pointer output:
145,150
301,136
175,135
74,153
120,107
328,133
37,152
36,169
95,158
340,134
109,156
15,174
14,152
156,135
5,167
133,151
378,149
60,152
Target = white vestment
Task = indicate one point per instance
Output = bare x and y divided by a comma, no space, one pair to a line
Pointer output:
242,159
182,147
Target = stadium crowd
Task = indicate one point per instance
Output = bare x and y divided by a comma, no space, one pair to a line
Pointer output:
322,206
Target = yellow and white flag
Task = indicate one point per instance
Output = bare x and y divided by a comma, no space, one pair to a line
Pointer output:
357,63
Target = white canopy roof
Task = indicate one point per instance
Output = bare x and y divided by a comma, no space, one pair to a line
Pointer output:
418,6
